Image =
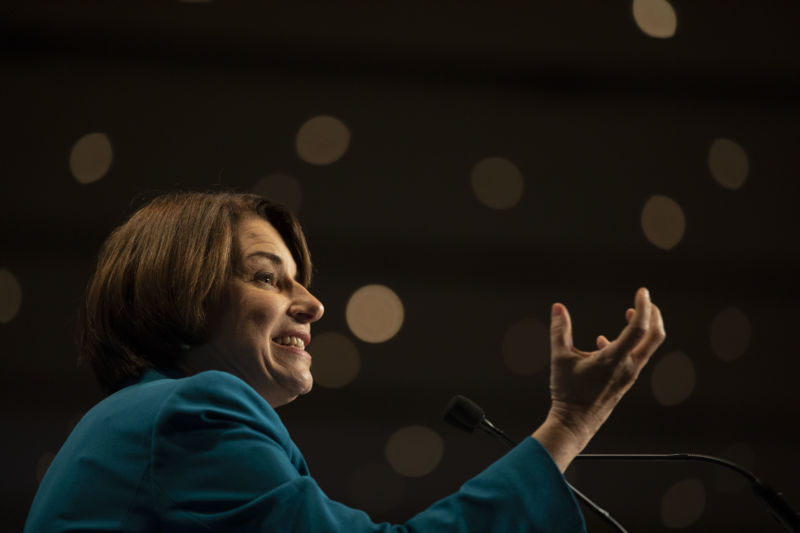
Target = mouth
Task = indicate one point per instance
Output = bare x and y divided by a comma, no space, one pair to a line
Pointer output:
290,341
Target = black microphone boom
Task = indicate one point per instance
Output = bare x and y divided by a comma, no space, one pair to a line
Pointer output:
776,505
465,414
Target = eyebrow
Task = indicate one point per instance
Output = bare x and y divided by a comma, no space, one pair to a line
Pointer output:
272,257
268,255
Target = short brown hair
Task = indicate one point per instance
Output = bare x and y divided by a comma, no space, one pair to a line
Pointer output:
160,273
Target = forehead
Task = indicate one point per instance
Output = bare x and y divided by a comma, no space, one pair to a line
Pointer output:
259,242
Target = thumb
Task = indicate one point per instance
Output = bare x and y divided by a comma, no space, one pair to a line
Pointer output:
560,328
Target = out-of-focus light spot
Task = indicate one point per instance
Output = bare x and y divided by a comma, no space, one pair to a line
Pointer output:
10,296
322,140
728,163
42,465
335,359
526,346
497,182
281,188
673,378
730,334
656,18
663,222
414,451
683,503
376,488
374,313
727,480
90,157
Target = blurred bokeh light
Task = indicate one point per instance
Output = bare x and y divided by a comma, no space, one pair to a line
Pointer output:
656,18
374,313
281,188
728,163
323,139
414,451
730,333
335,359
10,296
663,221
673,378
683,504
90,157
497,182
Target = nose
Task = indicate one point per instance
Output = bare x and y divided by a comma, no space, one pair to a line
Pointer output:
305,307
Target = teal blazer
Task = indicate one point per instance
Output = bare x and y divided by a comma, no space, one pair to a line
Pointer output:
207,453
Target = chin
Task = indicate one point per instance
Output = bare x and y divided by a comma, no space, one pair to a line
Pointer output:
304,387
287,392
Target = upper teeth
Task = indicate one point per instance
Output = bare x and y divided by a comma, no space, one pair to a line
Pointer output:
291,341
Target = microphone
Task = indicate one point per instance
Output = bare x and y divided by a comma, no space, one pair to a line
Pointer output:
466,415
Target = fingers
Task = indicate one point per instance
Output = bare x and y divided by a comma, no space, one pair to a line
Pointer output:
653,339
640,338
560,328
602,342
638,324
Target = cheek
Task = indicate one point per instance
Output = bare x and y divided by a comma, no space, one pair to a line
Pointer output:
259,321
254,313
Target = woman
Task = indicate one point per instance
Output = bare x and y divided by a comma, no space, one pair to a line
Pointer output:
196,322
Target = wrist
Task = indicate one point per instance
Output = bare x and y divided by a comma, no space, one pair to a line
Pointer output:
582,424
561,439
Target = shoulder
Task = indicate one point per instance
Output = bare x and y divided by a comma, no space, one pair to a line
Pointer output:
216,414
218,386
214,398
215,435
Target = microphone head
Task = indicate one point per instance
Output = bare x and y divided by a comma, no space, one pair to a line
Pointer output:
464,414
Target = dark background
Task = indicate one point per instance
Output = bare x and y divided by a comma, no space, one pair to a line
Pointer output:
597,116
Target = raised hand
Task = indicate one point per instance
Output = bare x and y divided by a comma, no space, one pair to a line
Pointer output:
586,386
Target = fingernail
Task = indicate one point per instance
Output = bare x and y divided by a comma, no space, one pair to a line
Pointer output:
555,311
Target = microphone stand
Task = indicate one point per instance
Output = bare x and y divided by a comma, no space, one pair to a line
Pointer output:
467,415
779,508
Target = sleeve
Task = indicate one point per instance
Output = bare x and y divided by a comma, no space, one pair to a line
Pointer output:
221,460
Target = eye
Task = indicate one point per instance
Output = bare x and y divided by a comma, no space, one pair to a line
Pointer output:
266,278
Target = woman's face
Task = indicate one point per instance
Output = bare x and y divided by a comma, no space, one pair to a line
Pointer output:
260,330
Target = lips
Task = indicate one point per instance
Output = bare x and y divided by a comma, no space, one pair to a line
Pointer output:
295,339
290,341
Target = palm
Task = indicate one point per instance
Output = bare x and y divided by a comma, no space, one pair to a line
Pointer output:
586,386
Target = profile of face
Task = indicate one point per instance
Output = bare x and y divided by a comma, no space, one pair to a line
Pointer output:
261,328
